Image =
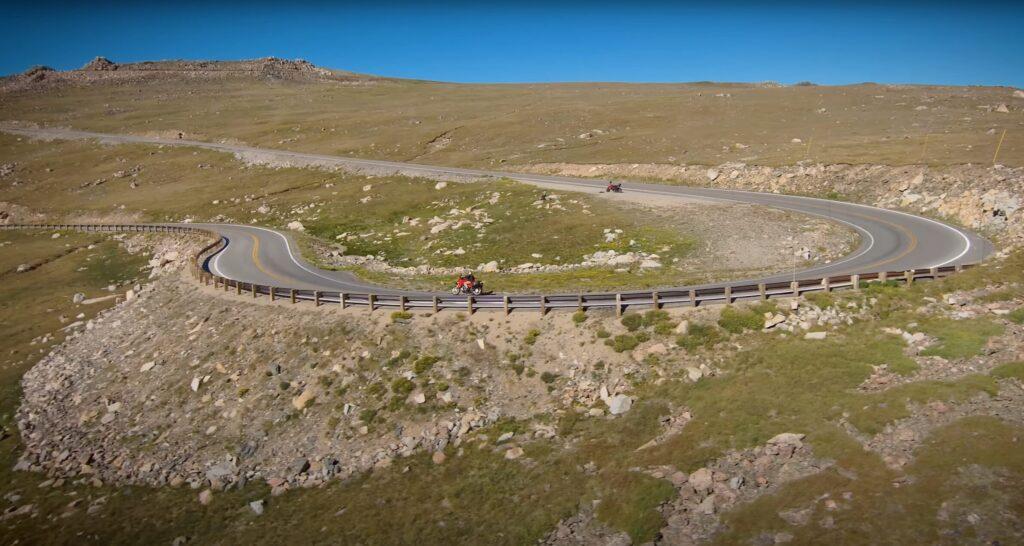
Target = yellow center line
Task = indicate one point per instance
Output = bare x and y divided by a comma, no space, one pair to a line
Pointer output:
910,235
256,260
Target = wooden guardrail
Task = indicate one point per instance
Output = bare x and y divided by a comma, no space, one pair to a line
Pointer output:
507,303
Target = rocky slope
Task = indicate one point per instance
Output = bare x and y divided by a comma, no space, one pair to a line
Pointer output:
174,388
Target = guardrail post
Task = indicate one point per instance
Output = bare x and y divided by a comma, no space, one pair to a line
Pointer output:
238,288
316,298
469,304
728,295
934,272
255,289
579,302
371,299
654,300
825,284
341,299
958,267
618,305
882,276
855,280
795,287
762,291
693,298
206,279
436,302
273,293
504,303
293,295
401,303
224,283
908,276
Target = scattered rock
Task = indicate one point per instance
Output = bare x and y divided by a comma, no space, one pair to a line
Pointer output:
619,404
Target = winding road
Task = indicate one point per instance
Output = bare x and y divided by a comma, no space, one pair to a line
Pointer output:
890,240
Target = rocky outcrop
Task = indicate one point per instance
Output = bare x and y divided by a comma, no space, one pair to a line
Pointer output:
739,477
101,70
99,63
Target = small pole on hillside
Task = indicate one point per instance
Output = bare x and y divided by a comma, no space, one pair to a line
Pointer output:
998,146
924,149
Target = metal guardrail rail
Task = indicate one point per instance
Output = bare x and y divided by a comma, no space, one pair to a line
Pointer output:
506,303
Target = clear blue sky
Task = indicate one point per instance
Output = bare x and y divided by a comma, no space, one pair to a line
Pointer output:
638,41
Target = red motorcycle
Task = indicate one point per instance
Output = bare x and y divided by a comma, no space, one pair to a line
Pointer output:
613,188
467,284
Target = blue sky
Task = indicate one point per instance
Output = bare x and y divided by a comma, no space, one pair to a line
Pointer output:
639,41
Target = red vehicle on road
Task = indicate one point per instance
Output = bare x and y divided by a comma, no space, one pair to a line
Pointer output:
468,284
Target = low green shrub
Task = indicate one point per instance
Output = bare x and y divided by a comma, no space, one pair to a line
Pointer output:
579,317
655,317
531,336
402,386
736,321
622,343
424,363
398,316
700,335
632,321
367,415
664,328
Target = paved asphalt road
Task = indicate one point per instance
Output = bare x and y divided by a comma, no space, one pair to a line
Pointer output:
890,240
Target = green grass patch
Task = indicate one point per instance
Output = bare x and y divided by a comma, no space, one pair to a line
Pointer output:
1016,316
958,338
871,413
823,300
1009,370
631,503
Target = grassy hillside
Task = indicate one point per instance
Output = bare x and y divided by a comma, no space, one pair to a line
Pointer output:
505,125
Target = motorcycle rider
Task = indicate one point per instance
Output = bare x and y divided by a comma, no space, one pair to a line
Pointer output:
466,282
